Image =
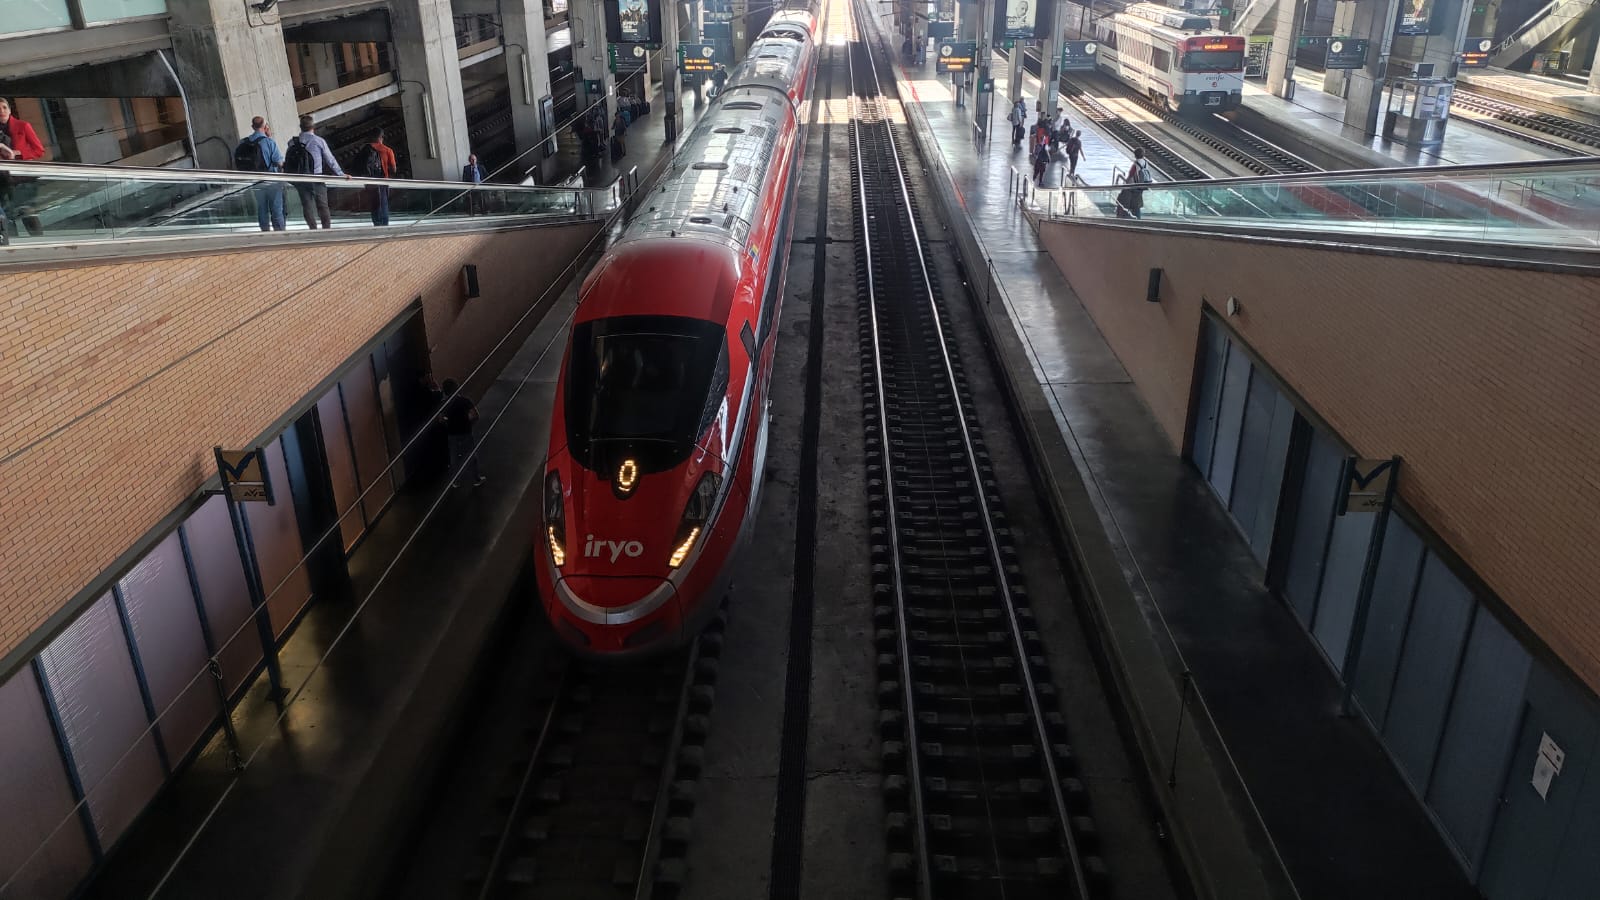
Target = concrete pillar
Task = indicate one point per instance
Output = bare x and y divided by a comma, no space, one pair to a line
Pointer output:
1344,19
1050,62
1014,73
1442,50
229,59
321,66
1594,71
1374,20
589,55
528,70
430,88
96,127
983,106
1280,61
671,76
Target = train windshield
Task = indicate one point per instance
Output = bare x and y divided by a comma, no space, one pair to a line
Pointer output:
1213,61
642,388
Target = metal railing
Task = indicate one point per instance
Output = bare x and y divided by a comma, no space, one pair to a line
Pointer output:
47,203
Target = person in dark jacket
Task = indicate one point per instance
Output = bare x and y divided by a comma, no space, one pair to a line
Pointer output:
473,173
458,418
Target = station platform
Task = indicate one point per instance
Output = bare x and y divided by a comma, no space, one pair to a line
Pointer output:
1182,599
376,682
1560,96
1314,116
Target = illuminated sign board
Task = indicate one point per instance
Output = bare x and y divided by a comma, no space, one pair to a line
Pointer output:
1415,16
956,56
1475,52
702,57
1346,53
633,21
1077,56
1021,18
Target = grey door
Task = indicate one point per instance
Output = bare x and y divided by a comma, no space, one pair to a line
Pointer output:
1530,828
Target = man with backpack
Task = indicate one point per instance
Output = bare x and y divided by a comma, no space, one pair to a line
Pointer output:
309,154
1131,199
1018,118
1073,149
258,152
376,160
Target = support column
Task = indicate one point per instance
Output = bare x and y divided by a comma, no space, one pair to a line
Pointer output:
1374,20
1344,20
589,56
323,69
671,76
1280,62
1594,71
96,127
229,59
983,105
528,70
430,88
1014,73
1050,62
1443,49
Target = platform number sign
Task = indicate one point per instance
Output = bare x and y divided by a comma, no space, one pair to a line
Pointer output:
1475,52
700,58
1077,56
1346,53
956,56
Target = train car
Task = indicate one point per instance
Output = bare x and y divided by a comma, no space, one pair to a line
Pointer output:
1177,58
659,432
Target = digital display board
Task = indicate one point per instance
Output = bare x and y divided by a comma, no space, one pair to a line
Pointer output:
633,21
1475,52
1020,18
702,57
1415,16
956,56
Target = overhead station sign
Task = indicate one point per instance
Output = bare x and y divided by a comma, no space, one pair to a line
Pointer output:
1077,56
1475,53
956,56
1346,53
701,57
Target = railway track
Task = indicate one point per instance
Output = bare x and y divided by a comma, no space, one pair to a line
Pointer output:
598,806
1524,120
977,762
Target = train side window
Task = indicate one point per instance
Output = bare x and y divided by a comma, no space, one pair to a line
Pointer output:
1163,59
749,339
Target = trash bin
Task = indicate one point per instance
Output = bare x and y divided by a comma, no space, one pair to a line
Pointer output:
1390,120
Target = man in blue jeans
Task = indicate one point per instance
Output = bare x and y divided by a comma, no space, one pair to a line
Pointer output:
269,194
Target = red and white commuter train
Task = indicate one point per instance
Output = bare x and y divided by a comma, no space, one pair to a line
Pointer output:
1176,57
659,433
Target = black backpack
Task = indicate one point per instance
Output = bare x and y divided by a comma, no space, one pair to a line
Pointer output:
370,163
297,159
249,156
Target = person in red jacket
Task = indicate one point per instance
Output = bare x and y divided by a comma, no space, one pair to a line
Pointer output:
17,142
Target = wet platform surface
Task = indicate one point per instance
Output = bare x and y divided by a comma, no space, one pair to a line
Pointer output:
1342,818
430,581
1322,113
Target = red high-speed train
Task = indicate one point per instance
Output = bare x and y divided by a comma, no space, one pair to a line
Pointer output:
659,433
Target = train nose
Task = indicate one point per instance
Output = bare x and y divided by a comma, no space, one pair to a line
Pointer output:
634,612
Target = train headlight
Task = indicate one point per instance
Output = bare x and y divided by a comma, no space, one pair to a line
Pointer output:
696,516
555,519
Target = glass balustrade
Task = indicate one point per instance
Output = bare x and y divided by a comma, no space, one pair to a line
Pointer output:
46,203
1553,204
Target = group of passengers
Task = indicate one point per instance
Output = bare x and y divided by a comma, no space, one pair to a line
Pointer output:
1046,138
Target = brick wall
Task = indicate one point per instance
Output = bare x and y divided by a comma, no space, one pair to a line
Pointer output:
1486,380
117,379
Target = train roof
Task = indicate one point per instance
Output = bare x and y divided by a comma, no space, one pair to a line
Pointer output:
1167,17
714,189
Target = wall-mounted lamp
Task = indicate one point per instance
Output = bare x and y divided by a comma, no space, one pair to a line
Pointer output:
1233,306
264,5
1153,291
469,281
